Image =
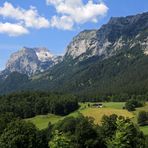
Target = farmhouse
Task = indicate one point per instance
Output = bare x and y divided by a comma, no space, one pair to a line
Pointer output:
97,105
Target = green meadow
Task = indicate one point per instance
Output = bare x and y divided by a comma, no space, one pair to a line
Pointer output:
41,121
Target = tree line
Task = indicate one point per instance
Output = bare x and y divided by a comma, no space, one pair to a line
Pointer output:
29,104
98,97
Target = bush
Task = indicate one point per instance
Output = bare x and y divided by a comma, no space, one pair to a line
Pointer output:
20,134
59,140
81,132
127,135
142,118
132,104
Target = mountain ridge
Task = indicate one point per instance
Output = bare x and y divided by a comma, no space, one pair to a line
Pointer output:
98,41
110,60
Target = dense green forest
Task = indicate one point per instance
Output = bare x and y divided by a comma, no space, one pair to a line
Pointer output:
29,104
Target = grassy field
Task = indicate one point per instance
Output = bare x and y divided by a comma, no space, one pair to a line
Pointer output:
115,105
97,113
41,121
144,129
109,108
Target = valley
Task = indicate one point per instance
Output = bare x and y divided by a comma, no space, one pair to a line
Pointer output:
95,95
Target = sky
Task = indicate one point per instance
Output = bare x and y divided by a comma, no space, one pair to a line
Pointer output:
53,23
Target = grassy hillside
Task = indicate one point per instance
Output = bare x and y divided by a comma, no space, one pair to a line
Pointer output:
97,113
41,121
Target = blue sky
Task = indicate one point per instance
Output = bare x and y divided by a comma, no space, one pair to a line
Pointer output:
53,23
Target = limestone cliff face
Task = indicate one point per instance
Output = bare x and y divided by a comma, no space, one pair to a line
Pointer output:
24,61
82,43
31,60
117,34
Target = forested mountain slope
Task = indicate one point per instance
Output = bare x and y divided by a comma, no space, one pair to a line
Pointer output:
111,60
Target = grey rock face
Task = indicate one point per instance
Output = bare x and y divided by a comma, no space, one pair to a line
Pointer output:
24,61
88,44
82,43
117,34
31,60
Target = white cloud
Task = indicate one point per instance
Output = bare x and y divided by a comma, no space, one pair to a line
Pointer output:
68,14
63,22
71,12
29,18
24,19
12,29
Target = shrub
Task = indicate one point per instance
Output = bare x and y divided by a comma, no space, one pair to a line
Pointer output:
142,118
132,104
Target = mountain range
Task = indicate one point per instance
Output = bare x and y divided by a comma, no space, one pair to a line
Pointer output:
110,60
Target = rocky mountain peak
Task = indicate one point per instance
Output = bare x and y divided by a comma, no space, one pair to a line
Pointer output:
31,60
23,61
43,54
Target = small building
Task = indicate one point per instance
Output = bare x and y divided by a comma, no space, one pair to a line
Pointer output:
97,105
